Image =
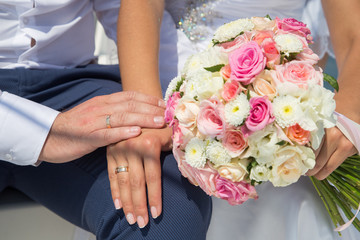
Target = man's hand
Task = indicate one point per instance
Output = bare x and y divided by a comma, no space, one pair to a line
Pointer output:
142,157
83,129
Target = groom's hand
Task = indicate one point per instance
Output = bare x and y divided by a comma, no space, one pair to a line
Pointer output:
99,122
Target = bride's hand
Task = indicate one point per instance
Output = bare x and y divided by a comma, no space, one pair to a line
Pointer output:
333,151
142,157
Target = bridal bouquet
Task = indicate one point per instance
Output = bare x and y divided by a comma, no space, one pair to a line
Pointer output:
251,108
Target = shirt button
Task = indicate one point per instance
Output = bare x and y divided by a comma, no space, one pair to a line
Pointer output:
8,157
25,20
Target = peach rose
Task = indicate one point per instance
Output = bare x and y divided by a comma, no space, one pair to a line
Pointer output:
262,23
272,52
264,85
225,72
297,134
262,35
186,112
235,142
231,90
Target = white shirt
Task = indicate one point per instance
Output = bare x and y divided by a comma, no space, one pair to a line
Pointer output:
63,32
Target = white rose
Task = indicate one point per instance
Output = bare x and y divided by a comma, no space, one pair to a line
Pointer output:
263,144
186,112
290,163
234,171
260,173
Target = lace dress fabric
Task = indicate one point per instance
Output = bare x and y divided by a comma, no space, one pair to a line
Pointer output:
291,213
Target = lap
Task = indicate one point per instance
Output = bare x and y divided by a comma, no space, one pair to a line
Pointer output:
79,191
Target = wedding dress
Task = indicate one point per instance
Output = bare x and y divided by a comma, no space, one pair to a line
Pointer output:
291,213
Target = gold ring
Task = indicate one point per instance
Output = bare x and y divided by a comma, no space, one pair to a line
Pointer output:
121,169
108,121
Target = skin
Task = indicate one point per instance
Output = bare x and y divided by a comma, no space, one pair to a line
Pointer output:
83,129
139,21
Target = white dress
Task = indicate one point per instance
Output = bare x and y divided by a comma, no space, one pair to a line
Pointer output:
291,213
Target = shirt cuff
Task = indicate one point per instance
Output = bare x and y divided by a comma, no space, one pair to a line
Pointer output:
24,127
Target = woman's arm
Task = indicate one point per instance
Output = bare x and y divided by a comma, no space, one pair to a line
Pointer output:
343,18
138,45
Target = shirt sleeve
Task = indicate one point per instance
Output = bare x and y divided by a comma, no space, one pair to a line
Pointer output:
24,126
107,13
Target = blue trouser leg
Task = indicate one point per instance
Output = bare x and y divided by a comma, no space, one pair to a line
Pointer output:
79,191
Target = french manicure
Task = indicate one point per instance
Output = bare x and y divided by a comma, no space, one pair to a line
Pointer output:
162,103
154,212
159,120
117,204
134,129
140,222
130,218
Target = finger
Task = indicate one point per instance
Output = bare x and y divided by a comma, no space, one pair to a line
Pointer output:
153,181
114,186
344,150
135,96
138,189
125,190
326,151
120,119
104,137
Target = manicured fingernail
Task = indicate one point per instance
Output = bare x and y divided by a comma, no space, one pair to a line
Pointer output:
134,129
162,103
117,204
140,222
130,218
159,120
154,212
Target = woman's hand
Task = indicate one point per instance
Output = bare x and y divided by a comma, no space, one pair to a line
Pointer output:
142,157
333,151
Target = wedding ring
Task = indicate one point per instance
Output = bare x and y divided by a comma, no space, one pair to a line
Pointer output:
121,169
108,121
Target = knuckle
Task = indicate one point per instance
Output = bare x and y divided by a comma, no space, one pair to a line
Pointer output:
122,180
136,182
130,95
122,117
345,145
131,106
334,133
112,176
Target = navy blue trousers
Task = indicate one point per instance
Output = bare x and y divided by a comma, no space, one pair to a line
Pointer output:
79,191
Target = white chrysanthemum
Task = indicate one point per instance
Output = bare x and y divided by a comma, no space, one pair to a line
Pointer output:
195,153
214,56
232,29
192,65
289,43
172,87
287,110
260,173
237,110
217,154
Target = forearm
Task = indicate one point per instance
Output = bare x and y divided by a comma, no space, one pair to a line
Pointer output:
343,19
138,45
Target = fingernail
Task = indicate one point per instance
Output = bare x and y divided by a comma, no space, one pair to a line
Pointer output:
117,204
154,212
162,103
134,129
140,222
159,120
130,218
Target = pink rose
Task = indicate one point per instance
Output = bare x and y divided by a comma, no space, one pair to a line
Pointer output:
262,35
211,120
260,114
234,192
238,41
235,142
231,90
294,26
181,135
298,134
204,177
272,52
170,108
297,72
307,55
246,62
225,72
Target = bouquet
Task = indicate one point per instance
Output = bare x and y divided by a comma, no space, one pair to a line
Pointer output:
249,109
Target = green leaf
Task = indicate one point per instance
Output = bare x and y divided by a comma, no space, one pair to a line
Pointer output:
268,16
248,95
332,81
178,84
215,68
281,143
